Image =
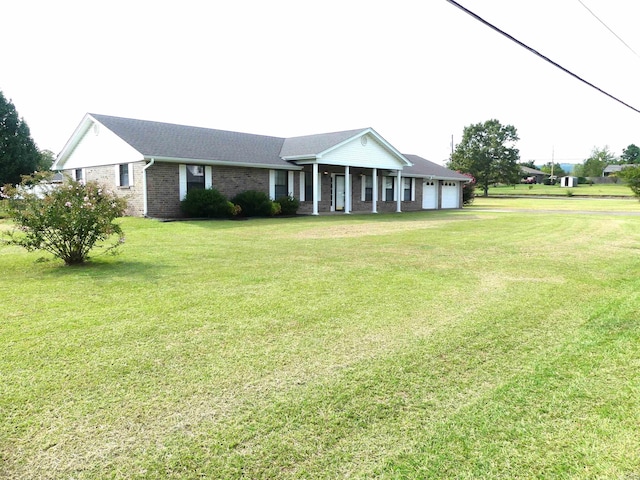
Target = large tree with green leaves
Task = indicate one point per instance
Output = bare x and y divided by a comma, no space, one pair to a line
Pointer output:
631,154
18,152
631,176
596,163
487,151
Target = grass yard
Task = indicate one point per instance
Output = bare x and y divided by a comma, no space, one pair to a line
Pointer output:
463,344
613,189
613,206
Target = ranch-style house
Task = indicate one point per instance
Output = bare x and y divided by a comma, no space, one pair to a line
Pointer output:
155,164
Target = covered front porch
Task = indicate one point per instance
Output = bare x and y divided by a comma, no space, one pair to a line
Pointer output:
347,189
346,172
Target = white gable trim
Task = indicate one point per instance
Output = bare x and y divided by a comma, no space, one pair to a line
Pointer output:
92,144
373,133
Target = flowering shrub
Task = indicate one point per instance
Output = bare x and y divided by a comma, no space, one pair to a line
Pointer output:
66,220
468,189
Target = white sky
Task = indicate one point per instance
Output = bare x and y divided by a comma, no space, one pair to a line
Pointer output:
417,71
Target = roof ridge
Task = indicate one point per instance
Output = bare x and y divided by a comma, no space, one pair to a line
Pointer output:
97,116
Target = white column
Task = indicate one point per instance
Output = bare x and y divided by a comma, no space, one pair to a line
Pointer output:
399,192
347,191
315,189
374,193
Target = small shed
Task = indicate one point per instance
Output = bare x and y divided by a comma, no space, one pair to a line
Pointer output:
568,181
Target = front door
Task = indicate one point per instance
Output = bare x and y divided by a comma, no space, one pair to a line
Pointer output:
339,193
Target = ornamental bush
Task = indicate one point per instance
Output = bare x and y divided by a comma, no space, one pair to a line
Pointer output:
288,205
208,203
254,204
468,189
65,220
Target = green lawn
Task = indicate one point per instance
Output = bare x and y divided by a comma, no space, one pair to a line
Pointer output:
557,204
462,344
615,189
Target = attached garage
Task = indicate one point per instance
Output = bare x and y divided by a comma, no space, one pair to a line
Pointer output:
441,187
430,195
450,194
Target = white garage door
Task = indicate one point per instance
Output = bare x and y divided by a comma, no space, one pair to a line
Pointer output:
450,195
429,194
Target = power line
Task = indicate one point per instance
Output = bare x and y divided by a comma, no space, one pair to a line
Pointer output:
535,52
607,27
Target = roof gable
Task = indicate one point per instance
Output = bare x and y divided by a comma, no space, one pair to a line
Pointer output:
311,146
92,141
172,142
362,147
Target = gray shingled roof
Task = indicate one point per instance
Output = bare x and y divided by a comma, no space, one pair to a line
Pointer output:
424,168
166,140
311,145
171,141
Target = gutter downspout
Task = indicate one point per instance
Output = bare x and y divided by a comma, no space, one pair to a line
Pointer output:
144,186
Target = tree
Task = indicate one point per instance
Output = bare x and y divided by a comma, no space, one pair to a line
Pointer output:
631,154
65,220
631,175
18,152
487,152
47,157
596,163
556,171
529,163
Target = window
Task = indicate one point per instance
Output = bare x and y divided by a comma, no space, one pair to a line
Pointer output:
78,174
388,189
195,177
308,186
281,183
190,177
368,188
123,175
406,189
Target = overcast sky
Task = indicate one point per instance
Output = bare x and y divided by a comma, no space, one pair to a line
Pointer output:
417,71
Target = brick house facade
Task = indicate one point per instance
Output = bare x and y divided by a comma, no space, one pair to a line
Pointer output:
153,165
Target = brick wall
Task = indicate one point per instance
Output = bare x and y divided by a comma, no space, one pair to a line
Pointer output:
163,191
231,181
106,176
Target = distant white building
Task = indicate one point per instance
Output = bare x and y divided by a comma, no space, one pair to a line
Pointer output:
568,181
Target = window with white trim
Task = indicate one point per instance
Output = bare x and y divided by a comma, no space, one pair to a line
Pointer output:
281,183
195,177
124,175
308,185
367,188
78,174
388,188
408,194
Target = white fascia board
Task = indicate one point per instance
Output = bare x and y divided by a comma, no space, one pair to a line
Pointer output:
302,159
200,161
73,141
